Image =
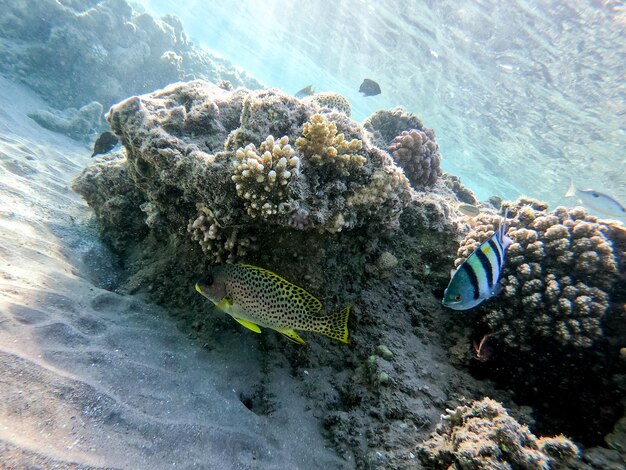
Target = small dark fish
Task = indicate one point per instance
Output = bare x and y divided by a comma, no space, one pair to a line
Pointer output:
369,88
306,91
104,143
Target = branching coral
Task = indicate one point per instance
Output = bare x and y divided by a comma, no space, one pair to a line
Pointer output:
261,177
220,242
557,275
417,153
322,146
331,100
484,436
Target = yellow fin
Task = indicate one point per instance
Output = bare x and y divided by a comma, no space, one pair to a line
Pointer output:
251,326
335,325
224,304
291,336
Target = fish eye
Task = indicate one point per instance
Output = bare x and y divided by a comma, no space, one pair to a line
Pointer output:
594,194
457,298
208,280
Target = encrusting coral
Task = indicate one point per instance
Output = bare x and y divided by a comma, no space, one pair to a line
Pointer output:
322,146
557,275
417,153
386,124
262,176
332,100
484,436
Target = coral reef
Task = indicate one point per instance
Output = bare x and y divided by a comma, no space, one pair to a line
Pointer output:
73,53
262,177
221,243
79,124
322,146
332,100
484,436
463,193
417,153
556,279
386,124
328,182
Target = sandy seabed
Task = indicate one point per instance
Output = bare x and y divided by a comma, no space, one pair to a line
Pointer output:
91,378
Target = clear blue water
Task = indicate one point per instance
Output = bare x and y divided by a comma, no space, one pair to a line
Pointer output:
524,95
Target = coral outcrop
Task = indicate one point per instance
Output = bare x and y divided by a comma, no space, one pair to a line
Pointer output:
557,277
174,142
484,436
73,53
417,153
386,124
79,124
331,100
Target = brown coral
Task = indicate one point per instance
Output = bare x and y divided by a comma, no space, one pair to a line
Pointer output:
557,275
484,436
417,153
321,145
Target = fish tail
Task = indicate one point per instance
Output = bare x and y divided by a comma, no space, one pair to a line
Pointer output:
571,191
335,325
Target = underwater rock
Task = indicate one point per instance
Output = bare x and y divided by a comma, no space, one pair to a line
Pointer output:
332,100
72,53
483,436
386,124
417,153
463,193
79,124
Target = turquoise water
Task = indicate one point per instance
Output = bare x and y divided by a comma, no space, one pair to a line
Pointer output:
523,95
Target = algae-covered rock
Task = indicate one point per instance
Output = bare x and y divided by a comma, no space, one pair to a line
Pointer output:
484,436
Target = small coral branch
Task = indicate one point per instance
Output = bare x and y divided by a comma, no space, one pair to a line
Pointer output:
262,176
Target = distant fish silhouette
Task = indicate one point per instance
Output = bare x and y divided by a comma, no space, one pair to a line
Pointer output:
306,91
369,88
104,143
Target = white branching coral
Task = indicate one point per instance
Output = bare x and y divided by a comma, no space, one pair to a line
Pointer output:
220,242
262,176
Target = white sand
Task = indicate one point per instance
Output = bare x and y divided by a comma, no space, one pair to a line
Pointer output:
93,378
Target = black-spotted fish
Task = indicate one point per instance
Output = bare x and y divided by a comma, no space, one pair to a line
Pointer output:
477,278
256,297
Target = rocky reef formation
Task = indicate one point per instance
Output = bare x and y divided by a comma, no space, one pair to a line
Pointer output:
483,436
211,175
76,52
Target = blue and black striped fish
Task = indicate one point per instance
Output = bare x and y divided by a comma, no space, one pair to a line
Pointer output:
477,278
